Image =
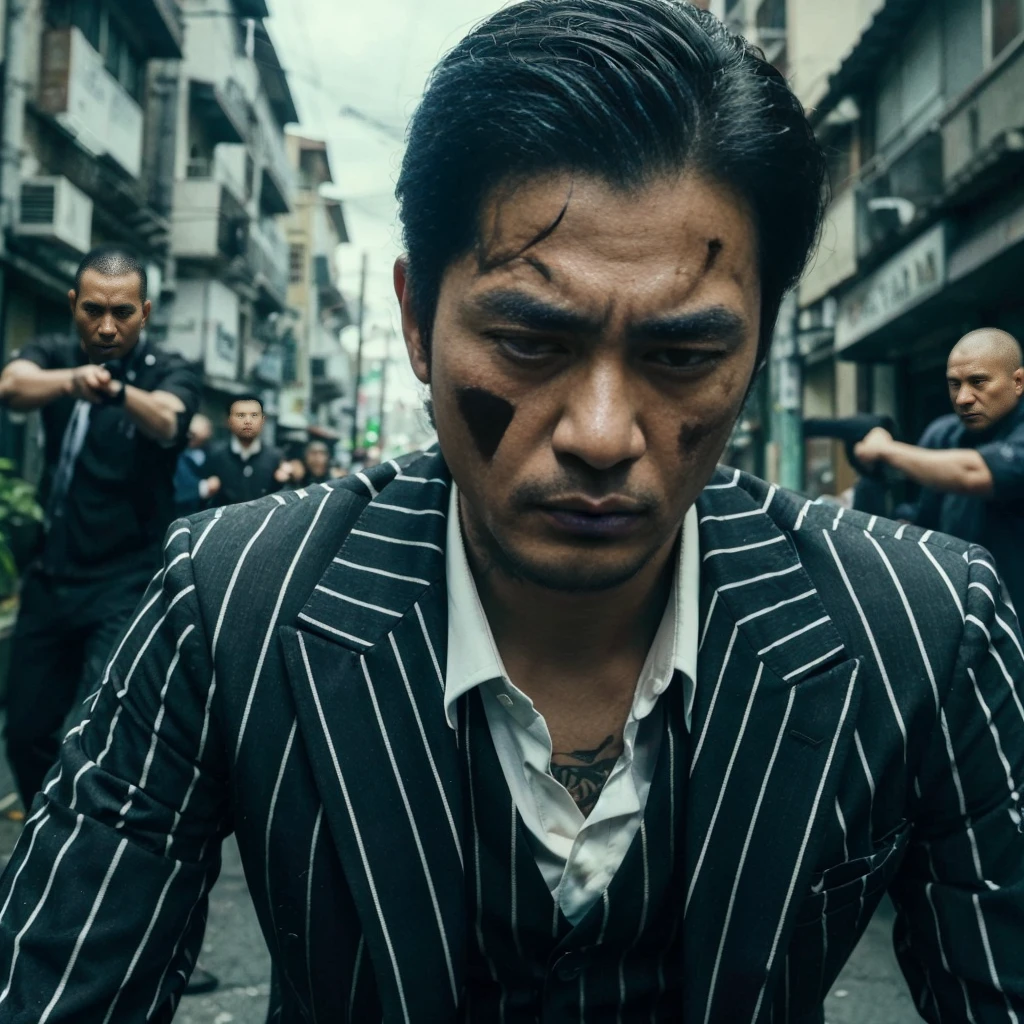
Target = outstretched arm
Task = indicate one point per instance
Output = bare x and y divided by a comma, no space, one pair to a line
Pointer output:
955,470
102,906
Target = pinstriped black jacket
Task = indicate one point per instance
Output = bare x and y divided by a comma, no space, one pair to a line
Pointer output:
858,727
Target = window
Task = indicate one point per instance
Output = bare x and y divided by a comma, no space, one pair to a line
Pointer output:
86,15
297,263
121,61
1006,22
83,14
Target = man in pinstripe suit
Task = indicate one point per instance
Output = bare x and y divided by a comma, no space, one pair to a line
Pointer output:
555,721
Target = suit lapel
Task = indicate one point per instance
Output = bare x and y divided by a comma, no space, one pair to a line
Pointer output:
775,709
366,663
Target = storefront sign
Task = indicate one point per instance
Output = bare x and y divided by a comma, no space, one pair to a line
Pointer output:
910,277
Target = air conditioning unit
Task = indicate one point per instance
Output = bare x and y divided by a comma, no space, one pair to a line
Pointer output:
54,210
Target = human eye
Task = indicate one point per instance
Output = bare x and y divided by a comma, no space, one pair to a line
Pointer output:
675,358
527,349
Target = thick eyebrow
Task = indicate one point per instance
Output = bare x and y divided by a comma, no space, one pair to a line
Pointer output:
533,314
530,313
713,324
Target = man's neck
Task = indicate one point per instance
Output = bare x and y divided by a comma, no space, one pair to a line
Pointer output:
578,637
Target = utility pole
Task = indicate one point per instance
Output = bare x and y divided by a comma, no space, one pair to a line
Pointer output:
361,325
383,390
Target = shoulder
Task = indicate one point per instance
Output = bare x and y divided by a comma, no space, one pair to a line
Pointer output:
940,432
50,351
286,539
868,564
165,360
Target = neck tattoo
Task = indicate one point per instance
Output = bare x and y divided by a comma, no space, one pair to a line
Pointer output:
584,772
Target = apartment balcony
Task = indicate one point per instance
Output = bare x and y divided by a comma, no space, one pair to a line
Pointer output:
278,185
209,223
224,109
268,259
329,376
983,132
897,194
162,24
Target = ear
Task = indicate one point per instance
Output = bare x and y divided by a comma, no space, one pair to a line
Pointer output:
418,358
147,308
72,300
1018,381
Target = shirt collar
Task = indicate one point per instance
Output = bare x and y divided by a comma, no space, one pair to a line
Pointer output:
245,454
473,656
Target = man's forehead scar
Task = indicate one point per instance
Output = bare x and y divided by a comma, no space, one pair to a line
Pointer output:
715,247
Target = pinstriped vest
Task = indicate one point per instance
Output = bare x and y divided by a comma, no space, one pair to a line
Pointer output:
527,962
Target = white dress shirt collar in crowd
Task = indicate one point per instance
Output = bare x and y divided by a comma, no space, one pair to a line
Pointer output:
245,454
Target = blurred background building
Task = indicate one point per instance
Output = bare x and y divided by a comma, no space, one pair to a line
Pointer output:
920,106
162,124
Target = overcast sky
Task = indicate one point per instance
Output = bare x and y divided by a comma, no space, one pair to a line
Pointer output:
373,56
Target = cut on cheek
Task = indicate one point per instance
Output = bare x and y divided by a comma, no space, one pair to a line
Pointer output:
487,417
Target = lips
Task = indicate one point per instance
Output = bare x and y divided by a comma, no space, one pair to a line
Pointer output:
609,519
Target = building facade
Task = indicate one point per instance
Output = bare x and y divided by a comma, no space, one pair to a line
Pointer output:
319,372
233,187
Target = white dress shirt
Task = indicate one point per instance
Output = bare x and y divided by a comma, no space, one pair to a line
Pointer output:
576,855
246,453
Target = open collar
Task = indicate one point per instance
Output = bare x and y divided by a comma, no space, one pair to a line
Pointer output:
473,656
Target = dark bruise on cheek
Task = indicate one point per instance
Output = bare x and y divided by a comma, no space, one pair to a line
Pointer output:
693,435
487,416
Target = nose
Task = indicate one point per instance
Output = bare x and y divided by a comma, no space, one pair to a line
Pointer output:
964,397
599,423
108,328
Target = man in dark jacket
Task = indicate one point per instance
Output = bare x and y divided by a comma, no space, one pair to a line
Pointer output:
192,487
115,411
244,467
971,465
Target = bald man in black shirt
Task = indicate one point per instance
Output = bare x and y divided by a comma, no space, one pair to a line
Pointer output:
971,468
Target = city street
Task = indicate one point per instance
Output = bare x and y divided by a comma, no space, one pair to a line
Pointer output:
870,991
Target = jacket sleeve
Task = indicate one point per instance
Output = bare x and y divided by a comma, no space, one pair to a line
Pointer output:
960,893
103,904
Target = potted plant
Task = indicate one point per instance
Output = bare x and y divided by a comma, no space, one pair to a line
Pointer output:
21,519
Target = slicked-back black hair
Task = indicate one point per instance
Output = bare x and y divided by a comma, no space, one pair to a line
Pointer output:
113,261
245,398
620,89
